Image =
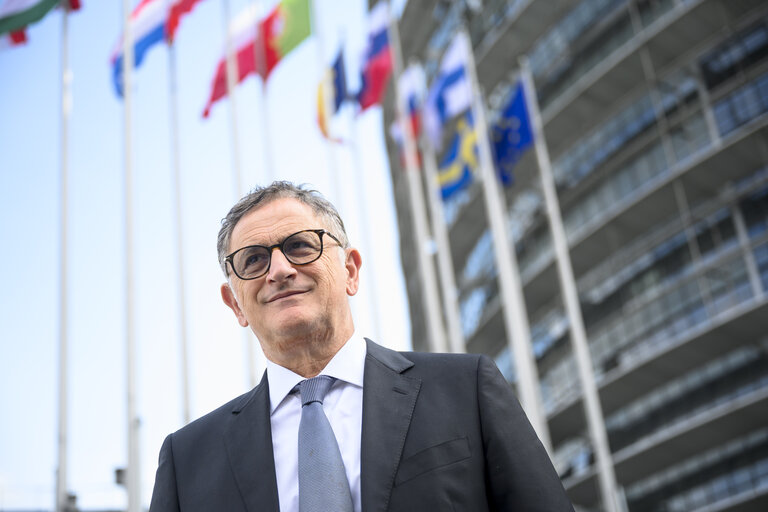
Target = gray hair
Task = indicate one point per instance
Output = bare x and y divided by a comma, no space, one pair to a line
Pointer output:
260,196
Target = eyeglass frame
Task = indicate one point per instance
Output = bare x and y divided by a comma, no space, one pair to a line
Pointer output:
270,249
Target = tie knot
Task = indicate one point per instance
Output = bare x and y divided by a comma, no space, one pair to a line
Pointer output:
314,389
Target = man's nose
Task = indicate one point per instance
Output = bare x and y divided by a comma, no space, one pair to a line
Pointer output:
279,267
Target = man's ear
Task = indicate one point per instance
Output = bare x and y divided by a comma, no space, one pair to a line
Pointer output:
228,296
352,263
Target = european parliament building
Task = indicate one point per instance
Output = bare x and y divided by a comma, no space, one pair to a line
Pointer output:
655,115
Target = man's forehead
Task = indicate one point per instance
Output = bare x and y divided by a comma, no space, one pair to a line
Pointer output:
274,220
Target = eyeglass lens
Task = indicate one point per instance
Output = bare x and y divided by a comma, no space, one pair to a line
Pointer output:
299,248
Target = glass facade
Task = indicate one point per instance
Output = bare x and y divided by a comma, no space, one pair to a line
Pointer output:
662,181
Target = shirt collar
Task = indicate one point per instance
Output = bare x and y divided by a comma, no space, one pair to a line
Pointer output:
348,365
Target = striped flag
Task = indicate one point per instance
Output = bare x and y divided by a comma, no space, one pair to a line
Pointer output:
335,79
377,64
15,15
282,31
147,29
176,10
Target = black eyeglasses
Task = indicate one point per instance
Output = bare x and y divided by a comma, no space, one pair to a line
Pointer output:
300,248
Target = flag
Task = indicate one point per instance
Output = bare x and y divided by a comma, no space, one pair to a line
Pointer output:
17,14
511,135
15,38
451,92
176,10
335,78
147,28
377,61
410,85
279,33
460,160
339,81
19,36
396,132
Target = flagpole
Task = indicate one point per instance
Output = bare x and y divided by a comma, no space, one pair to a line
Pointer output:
335,170
176,185
327,101
445,267
444,256
365,232
435,329
592,407
261,67
232,72
513,300
66,107
133,467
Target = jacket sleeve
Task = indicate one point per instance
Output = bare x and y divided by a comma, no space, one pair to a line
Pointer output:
519,474
165,496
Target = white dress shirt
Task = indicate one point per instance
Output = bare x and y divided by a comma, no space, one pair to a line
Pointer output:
343,405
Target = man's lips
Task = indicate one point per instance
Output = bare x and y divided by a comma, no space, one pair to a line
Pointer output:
284,294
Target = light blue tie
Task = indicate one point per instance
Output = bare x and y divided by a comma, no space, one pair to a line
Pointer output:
323,485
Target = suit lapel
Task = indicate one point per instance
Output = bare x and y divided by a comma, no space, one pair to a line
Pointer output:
388,401
248,439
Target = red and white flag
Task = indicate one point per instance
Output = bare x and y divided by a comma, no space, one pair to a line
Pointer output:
176,10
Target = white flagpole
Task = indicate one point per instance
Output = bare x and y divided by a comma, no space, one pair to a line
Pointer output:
66,107
513,300
365,232
444,257
592,407
176,185
359,176
260,54
435,329
232,72
133,482
327,100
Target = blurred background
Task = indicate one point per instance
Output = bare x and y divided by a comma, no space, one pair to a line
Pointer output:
578,188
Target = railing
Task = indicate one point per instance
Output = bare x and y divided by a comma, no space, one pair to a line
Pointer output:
699,393
751,478
715,475
692,300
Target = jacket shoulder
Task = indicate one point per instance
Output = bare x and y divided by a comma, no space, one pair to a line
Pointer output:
215,421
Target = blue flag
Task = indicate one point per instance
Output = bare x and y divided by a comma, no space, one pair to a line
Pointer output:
460,160
339,81
511,135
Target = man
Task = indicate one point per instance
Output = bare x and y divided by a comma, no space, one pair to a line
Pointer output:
409,431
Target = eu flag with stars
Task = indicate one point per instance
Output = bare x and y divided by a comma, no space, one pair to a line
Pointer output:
511,135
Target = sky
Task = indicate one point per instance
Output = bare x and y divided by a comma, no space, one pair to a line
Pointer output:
357,182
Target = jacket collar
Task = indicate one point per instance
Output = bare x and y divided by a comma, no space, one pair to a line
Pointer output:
248,441
389,397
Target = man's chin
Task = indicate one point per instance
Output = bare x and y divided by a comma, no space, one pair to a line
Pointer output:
299,329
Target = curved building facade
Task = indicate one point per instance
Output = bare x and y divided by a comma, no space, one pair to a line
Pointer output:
655,115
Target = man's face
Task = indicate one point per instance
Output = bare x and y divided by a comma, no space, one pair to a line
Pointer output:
292,305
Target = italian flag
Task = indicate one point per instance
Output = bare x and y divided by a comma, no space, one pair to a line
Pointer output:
280,32
17,14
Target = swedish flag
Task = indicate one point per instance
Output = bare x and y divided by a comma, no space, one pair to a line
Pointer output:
460,160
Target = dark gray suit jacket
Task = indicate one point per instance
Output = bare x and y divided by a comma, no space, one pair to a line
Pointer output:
440,432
